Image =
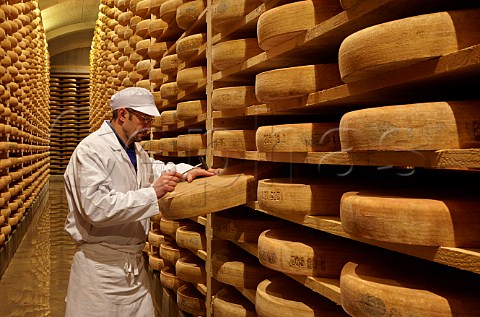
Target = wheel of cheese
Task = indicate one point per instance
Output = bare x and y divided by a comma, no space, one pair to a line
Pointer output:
234,140
238,268
155,6
200,197
191,269
190,300
191,142
155,237
168,10
306,252
169,227
225,13
240,226
156,76
191,237
191,76
157,27
392,45
305,196
281,296
169,90
124,18
419,127
233,97
156,50
168,278
143,67
188,13
280,24
169,64
291,82
399,288
168,144
191,109
155,262
171,252
229,302
134,77
298,137
228,53
2,238
412,217
188,46
143,9
142,47
156,219
168,117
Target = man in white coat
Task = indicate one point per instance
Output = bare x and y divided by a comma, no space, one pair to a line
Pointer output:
112,187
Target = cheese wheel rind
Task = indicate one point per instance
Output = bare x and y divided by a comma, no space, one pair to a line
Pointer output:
418,127
397,44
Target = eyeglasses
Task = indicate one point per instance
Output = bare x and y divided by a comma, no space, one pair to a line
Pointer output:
144,118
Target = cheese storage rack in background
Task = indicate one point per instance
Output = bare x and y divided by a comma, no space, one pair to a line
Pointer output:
24,122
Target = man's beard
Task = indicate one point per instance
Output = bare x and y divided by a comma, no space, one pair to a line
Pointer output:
138,135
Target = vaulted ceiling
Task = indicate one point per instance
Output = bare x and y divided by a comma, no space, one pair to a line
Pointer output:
69,24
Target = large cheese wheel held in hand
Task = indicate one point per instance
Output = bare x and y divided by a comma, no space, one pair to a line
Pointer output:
396,287
302,251
201,196
281,296
292,82
392,45
298,137
282,23
445,218
420,127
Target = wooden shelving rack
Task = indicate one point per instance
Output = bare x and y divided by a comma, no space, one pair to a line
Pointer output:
445,78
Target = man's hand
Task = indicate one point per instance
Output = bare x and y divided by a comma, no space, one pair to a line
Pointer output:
198,172
166,183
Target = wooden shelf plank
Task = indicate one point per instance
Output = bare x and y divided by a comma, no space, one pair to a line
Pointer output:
320,44
181,124
445,159
327,287
462,258
394,87
180,153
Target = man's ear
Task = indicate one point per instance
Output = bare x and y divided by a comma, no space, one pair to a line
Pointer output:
122,114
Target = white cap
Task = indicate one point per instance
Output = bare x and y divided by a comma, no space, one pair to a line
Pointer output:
136,98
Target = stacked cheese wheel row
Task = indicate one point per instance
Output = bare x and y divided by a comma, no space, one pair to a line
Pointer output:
401,128
24,116
69,118
280,249
174,247
183,142
130,40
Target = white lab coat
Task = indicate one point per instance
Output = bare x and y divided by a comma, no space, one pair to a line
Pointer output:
109,210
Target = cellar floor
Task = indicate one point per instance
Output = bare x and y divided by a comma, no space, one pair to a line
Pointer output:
35,282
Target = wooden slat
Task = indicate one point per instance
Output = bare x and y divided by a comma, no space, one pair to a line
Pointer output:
461,258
